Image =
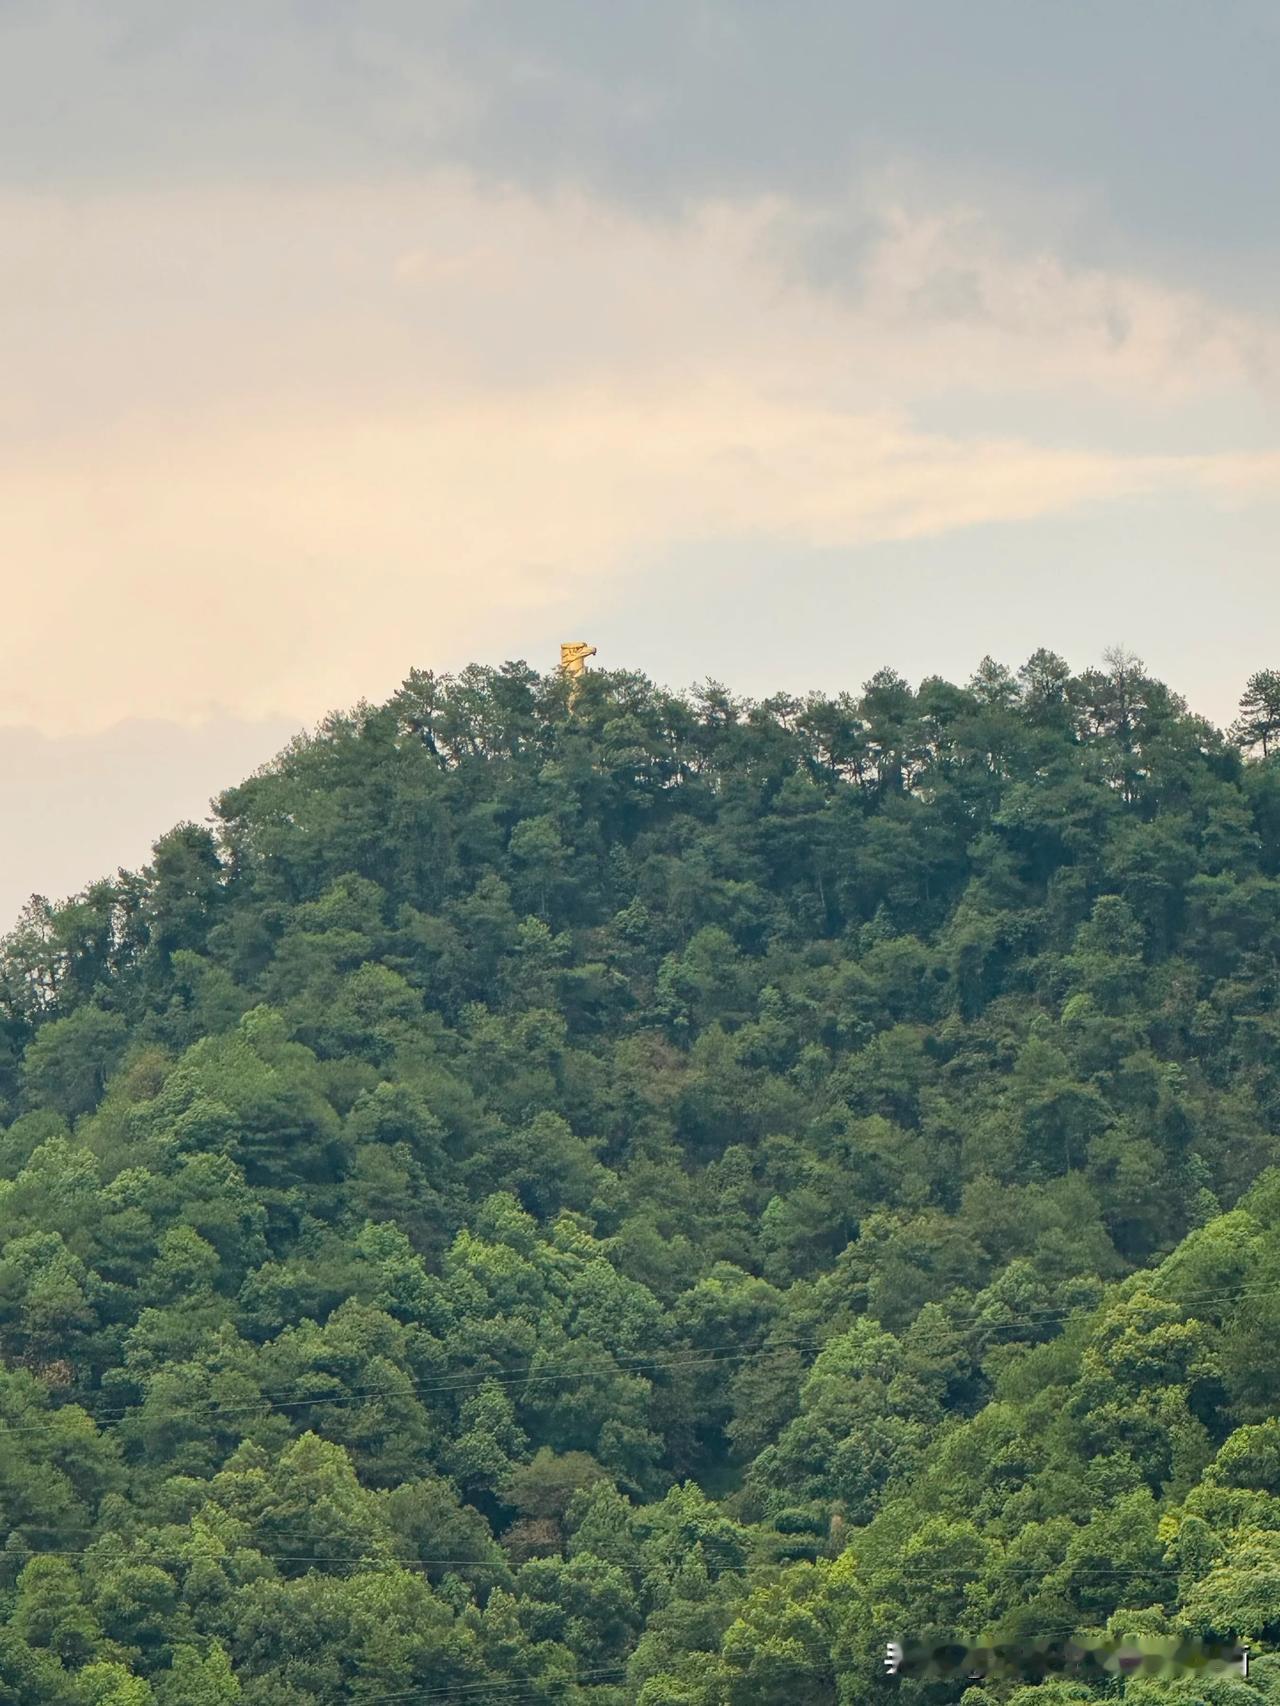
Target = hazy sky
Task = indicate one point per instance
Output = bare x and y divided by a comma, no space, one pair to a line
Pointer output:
767,341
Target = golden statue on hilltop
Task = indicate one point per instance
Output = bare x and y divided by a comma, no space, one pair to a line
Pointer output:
573,657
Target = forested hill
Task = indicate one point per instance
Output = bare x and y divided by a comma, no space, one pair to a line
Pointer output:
641,1202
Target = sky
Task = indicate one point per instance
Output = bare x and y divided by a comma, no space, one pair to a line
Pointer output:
769,343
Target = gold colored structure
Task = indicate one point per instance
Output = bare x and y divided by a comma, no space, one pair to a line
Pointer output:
573,657
573,663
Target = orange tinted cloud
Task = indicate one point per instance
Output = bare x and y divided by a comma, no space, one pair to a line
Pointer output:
251,440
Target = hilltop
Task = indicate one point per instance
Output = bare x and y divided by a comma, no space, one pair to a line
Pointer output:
640,1200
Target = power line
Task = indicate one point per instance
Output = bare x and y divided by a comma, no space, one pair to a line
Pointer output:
526,1687
370,1560
707,1357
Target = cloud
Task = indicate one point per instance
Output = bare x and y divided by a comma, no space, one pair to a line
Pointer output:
953,281
1241,478
255,443
294,561
1166,134
339,337
224,301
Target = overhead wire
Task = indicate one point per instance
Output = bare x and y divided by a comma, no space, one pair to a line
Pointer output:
371,1560
523,1687
706,1357
701,1358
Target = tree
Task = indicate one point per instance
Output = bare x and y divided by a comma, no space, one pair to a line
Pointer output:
195,1680
1259,720
67,1064
651,1198
50,1612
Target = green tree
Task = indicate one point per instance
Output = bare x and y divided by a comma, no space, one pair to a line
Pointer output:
1259,720
68,1062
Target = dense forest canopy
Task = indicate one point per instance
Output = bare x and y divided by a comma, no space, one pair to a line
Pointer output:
642,1201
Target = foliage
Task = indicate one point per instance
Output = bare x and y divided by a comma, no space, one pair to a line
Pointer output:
642,1202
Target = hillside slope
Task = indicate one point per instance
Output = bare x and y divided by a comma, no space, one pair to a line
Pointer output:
643,1203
